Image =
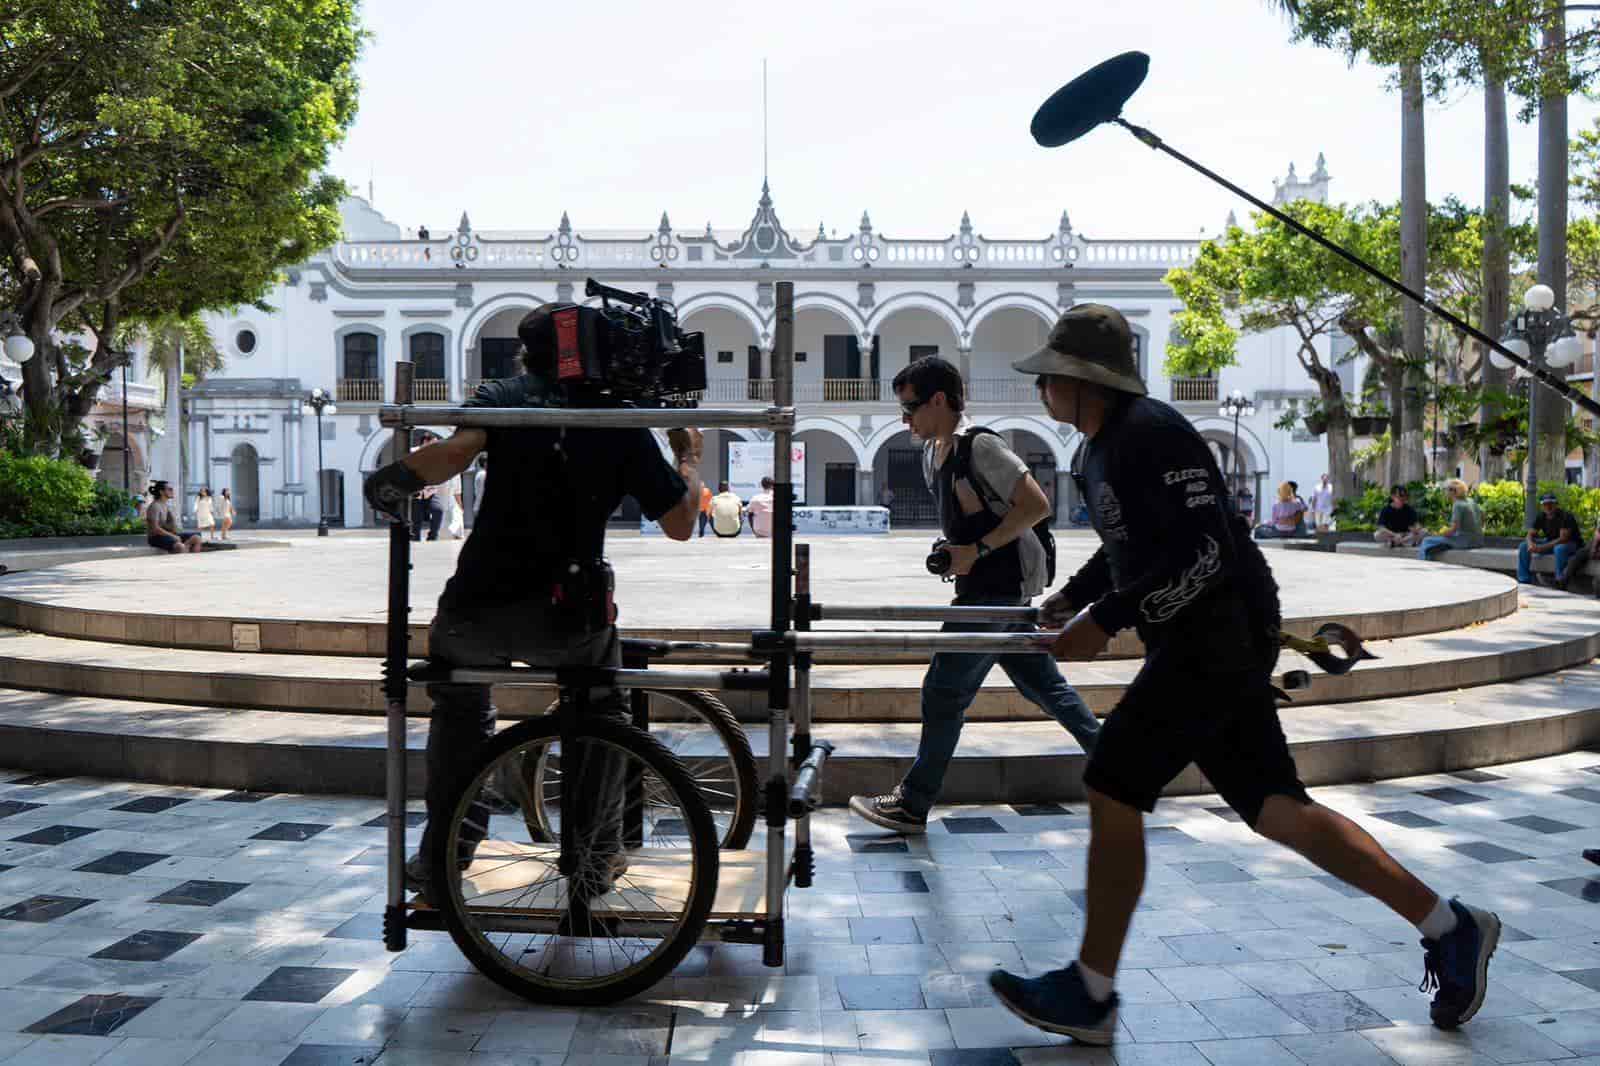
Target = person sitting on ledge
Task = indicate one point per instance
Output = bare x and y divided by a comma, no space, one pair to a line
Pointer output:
1579,560
1288,515
161,525
1554,532
1398,524
1466,523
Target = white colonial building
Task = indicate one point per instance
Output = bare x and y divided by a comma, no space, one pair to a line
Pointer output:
866,305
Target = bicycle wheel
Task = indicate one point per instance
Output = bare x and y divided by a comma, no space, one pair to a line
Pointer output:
706,737
640,884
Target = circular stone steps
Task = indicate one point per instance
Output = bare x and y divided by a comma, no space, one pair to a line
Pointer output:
1551,632
1001,762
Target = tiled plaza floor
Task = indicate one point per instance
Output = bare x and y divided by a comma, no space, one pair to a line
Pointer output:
144,925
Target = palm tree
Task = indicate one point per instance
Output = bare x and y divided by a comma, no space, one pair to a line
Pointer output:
179,345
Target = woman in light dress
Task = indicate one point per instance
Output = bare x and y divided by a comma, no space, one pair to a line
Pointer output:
224,513
454,512
202,515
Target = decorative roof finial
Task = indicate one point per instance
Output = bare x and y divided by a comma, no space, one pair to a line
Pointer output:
665,227
1321,173
566,224
866,223
966,223
1065,228
465,226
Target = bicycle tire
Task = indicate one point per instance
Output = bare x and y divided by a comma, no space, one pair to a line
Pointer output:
735,802
698,829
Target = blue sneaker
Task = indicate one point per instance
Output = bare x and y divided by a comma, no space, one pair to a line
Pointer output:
1058,1002
1456,966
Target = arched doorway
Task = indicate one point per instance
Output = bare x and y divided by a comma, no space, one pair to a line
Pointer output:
1041,459
246,464
1241,471
897,472
1003,336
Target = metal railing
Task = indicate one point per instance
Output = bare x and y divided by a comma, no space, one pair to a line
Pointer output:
360,390
431,390
1194,390
1017,388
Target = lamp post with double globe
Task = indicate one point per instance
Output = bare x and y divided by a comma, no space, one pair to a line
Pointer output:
1544,336
320,400
1236,405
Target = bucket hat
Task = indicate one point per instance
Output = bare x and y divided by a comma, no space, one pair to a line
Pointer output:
1091,342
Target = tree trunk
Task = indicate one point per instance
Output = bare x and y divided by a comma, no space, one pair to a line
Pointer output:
1552,411
1394,385
1496,254
1340,468
1412,463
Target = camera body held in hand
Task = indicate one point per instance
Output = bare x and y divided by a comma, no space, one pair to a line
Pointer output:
939,561
632,355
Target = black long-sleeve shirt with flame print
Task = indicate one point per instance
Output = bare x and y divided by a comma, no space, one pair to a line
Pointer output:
1174,562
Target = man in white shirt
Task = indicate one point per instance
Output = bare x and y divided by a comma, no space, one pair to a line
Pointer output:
727,512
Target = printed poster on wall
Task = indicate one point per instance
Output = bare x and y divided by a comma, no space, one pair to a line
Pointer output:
751,460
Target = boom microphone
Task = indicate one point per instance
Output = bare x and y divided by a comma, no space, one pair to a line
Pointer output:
1097,96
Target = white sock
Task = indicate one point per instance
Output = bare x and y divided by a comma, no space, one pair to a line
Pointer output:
1441,921
1098,984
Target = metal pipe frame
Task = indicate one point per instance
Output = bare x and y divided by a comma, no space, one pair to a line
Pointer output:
778,694
843,613
802,710
397,646
933,643
780,418
677,680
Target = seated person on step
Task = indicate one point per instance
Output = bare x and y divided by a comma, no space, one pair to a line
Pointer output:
1398,524
1554,532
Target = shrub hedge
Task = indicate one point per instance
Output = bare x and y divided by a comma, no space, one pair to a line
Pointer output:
1501,501
42,497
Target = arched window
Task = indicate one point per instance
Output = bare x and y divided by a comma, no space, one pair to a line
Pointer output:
427,356
361,357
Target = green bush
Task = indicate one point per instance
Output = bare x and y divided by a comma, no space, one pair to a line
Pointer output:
1360,513
1501,502
42,497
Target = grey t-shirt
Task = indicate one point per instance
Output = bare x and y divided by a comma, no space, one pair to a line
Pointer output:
1000,469
1468,520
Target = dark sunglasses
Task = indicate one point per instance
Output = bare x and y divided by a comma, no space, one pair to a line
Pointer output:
909,407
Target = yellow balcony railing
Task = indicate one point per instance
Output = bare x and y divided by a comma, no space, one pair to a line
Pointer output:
1194,390
431,390
360,390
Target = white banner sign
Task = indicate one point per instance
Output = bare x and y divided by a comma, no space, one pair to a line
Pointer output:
751,460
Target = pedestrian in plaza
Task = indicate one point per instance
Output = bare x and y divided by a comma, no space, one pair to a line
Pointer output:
759,510
1174,564
988,506
530,583
1466,523
705,508
203,518
1322,505
224,514
1554,532
427,509
1247,506
1287,515
455,526
1580,559
727,512
161,523
1300,519
1399,525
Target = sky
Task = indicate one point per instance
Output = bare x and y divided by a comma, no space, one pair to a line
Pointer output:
517,110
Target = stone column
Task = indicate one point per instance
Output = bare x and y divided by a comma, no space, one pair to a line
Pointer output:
964,361
865,496
198,473
292,473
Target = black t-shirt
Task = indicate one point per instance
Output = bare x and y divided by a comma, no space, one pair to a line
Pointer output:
1397,519
1174,561
1549,526
539,508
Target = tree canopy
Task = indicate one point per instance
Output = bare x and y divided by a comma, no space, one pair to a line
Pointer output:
159,158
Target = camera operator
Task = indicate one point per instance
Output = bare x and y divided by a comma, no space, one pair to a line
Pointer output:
1175,563
988,506
530,584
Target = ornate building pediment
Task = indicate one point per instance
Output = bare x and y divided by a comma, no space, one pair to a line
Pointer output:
765,238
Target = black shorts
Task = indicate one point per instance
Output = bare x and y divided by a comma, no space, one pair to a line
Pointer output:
1173,715
162,541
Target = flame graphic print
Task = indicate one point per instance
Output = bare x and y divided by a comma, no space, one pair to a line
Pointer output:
1169,599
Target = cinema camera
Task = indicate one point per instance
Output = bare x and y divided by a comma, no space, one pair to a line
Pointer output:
633,355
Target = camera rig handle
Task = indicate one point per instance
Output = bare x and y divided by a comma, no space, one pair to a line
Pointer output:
592,287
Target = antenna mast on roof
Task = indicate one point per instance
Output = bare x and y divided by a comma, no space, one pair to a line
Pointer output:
763,123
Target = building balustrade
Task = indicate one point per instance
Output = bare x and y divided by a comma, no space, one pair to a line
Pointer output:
1194,390
360,390
1017,388
431,390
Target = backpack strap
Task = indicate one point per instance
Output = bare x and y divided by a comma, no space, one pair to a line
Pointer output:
965,469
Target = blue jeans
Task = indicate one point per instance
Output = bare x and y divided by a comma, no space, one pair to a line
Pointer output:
953,680
1563,552
1434,543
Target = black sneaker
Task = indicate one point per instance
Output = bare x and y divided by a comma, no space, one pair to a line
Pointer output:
1058,1002
889,811
1456,966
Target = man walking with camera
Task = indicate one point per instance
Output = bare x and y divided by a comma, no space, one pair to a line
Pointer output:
988,506
1174,563
530,584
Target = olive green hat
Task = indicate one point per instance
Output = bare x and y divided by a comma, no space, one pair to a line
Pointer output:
1091,342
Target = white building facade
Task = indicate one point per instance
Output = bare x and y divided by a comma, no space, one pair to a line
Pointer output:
866,305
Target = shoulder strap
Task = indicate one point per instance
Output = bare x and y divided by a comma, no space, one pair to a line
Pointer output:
965,469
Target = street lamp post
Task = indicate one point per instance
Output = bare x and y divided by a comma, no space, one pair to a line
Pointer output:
1542,335
127,478
316,403
1236,405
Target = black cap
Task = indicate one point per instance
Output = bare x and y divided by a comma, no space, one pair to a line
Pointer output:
1399,490
1549,497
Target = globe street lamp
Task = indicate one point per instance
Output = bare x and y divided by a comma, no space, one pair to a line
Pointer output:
316,403
1544,336
1236,405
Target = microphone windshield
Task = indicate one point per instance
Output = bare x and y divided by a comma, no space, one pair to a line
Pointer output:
1093,97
